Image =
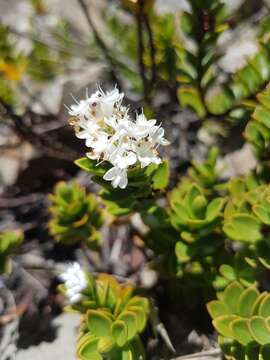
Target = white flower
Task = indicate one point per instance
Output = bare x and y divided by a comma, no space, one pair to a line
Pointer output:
100,147
142,127
88,130
75,282
123,157
113,136
157,136
146,154
117,176
81,109
105,102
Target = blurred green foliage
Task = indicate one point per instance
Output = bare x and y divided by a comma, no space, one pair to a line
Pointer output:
75,215
9,241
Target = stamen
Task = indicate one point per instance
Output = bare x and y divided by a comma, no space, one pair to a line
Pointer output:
74,99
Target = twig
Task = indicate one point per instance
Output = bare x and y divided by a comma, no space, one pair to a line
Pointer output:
139,18
29,135
215,354
152,49
20,201
35,98
100,43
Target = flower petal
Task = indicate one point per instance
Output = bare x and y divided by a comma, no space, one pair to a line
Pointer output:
110,174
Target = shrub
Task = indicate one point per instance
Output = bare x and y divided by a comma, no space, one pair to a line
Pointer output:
75,215
241,317
112,319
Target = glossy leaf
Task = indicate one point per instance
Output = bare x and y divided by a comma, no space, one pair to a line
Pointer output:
259,330
120,332
241,333
99,323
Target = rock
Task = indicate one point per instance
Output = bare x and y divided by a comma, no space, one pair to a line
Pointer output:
240,48
237,163
14,160
148,277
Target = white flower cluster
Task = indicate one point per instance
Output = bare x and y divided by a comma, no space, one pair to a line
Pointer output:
112,135
75,282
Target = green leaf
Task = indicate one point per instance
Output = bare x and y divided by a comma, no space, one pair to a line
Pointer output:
127,354
189,97
99,323
139,301
264,308
9,240
232,294
91,166
223,325
140,316
199,206
242,227
106,344
161,176
217,308
262,213
120,332
182,252
259,330
262,115
129,318
228,272
214,209
182,215
241,333
87,348
221,101
256,306
247,301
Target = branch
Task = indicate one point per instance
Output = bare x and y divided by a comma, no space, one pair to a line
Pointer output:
35,139
100,43
140,19
152,49
20,201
